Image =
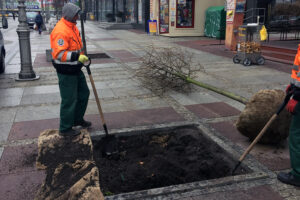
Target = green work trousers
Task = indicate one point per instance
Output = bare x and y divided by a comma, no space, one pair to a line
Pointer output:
294,143
74,94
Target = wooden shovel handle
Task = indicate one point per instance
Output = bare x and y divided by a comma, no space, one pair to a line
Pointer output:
97,99
258,137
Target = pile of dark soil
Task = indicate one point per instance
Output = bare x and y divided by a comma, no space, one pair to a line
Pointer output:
162,159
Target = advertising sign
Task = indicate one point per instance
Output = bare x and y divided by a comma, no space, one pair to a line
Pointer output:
152,26
230,11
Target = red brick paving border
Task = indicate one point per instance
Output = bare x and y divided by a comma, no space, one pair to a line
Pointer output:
21,186
32,129
213,110
41,61
271,156
18,159
219,50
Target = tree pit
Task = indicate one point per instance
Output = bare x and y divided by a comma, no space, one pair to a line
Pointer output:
162,158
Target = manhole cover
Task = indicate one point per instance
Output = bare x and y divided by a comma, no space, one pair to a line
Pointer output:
163,158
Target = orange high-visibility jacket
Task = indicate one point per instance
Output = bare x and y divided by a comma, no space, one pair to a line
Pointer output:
66,44
296,70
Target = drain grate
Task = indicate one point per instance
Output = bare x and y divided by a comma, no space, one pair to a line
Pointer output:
98,55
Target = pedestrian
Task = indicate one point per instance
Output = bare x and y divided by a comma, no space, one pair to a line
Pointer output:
293,177
14,17
68,59
39,22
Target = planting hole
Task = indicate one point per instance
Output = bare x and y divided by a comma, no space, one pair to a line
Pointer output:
163,158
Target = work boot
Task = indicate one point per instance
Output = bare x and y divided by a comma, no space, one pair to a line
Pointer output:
83,124
69,133
288,178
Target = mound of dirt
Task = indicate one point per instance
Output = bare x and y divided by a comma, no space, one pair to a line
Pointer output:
54,149
79,180
162,159
257,113
71,172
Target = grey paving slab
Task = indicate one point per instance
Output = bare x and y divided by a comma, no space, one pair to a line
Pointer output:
11,92
1,152
122,83
99,85
107,107
135,103
110,46
104,65
29,113
130,91
7,115
40,99
12,69
41,89
4,131
103,93
10,101
193,98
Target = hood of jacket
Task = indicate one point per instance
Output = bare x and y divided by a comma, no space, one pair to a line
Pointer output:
69,11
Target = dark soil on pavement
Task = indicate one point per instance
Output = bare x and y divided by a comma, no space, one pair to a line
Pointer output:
162,159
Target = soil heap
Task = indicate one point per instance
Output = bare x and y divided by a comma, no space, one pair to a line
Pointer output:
70,168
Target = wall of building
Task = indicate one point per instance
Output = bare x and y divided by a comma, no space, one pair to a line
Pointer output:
199,17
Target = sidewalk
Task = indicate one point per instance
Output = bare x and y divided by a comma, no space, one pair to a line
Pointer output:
27,108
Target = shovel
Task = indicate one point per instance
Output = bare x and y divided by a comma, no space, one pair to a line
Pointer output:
109,141
110,145
268,124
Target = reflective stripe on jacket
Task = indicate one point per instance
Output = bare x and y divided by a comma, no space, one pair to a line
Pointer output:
295,76
66,47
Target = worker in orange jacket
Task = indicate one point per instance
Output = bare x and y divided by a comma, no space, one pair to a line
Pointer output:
293,177
68,58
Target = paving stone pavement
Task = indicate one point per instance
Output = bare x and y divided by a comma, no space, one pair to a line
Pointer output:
27,108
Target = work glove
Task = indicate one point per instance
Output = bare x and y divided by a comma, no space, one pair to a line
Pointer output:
291,106
83,59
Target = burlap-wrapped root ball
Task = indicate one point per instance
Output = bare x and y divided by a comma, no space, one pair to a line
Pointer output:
257,113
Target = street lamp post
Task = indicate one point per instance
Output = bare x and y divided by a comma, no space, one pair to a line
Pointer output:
26,73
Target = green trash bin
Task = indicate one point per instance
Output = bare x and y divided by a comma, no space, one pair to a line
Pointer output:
215,22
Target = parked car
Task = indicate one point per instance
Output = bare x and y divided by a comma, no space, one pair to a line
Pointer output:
31,18
294,21
2,49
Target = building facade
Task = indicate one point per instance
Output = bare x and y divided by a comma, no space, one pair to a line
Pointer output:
135,12
181,17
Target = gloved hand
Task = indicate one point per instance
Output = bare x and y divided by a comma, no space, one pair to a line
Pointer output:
291,105
83,58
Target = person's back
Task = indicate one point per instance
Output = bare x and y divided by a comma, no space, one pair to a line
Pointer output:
39,19
39,22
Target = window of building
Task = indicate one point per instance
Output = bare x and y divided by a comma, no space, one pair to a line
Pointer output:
164,16
185,13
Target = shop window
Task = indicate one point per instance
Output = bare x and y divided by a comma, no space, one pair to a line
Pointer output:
164,16
185,14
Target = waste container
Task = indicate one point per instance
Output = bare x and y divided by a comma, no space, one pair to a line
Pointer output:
215,22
